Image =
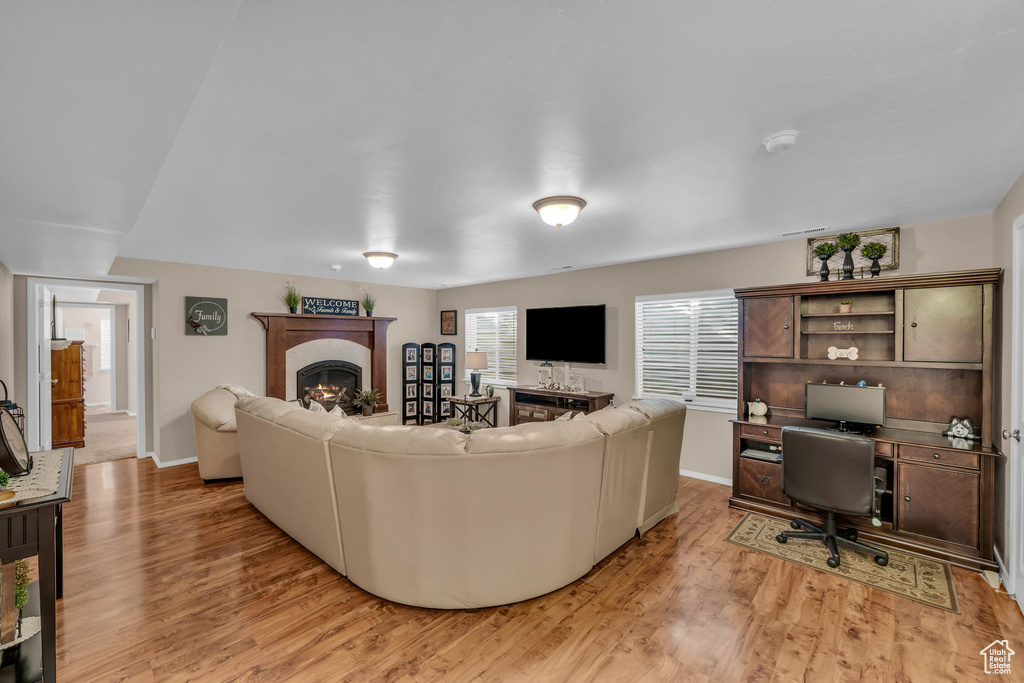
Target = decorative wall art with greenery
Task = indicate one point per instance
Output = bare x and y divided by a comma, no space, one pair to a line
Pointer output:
888,237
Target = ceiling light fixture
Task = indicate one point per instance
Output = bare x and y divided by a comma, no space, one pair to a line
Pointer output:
781,141
380,259
560,210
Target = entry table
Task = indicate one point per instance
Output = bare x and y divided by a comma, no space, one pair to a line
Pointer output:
35,527
476,409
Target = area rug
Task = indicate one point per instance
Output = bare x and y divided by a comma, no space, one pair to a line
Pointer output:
918,578
108,436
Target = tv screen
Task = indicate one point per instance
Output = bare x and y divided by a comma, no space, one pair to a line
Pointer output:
846,403
571,334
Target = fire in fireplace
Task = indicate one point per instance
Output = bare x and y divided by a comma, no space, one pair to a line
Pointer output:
330,383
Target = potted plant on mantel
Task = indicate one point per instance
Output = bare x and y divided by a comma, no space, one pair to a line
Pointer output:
874,251
369,301
292,298
367,400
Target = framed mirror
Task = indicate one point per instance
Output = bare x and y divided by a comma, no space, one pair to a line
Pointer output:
14,457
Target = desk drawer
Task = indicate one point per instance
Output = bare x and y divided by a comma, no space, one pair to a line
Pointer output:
761,432
883,448
939,456
762,480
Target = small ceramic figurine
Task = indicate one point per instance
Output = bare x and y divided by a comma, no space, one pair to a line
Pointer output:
757,408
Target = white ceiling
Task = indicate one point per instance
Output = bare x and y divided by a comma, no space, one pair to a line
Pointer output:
285,137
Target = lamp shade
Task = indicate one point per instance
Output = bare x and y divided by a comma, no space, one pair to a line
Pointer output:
560,210
476,360
380,259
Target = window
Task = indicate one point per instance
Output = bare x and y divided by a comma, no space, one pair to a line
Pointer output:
104,344
493,331
686,348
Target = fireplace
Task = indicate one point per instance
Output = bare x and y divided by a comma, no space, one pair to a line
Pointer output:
330,383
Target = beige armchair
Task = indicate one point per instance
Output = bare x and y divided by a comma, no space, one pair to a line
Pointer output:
213,419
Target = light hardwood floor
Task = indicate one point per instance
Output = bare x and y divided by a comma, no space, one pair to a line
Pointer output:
170,580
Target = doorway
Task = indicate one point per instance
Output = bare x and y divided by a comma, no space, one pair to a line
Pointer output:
114,354
1012,435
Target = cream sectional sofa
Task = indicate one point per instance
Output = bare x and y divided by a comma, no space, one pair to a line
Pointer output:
432,517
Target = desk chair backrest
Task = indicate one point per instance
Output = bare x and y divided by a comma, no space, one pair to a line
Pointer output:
828,470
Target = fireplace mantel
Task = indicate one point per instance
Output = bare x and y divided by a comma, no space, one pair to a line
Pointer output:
285,330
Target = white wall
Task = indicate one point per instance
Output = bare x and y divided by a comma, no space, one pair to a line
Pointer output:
956,244
97,382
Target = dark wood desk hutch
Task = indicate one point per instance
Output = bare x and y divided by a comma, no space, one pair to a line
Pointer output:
928,340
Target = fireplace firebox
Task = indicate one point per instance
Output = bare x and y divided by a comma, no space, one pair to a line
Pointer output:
330,383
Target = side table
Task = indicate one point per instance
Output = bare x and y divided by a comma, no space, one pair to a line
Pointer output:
476,409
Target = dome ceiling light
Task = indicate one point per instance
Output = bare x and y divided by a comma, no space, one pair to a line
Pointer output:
560,210
380,259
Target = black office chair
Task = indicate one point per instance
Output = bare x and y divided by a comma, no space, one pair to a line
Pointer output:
833,472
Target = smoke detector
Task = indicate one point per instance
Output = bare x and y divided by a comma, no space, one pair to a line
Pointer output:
781,141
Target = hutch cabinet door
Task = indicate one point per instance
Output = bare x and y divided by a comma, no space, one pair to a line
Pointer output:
939,503
943,324
768,327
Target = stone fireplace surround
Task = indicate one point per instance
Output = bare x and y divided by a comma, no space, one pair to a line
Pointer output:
295,340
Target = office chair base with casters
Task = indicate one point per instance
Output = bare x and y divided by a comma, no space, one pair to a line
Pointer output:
832,538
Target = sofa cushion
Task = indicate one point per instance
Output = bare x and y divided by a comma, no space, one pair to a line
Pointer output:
654,408
401,440
266,408
615,421
531,436
216,410
320,426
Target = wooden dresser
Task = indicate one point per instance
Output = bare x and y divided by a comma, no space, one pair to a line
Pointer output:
68,399
543,405
928,339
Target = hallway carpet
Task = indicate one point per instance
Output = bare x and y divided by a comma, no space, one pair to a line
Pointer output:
108,436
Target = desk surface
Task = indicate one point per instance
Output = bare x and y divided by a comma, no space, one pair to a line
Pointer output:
907,436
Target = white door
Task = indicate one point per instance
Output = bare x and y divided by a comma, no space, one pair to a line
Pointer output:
45,374
1012,435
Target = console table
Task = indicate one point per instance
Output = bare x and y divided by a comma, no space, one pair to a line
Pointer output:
35,527
469,408
528,404
928,339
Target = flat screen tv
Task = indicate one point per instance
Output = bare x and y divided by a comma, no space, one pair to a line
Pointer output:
570,334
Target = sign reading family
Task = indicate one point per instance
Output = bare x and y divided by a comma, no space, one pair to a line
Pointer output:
206,316
329,306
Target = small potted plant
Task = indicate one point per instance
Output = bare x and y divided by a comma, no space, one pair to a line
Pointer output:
292,298
874,251
825,251
846,307
848,241
367,400
369,301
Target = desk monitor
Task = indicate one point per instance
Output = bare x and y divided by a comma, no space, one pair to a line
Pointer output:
846,403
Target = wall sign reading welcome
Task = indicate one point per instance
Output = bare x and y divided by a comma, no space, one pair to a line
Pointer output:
312,305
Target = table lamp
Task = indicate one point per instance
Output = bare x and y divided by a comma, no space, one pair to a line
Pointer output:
475,360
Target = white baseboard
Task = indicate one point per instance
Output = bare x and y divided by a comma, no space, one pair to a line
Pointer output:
170,463
705,477
1004,576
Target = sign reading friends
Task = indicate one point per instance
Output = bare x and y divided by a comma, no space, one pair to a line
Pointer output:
314,306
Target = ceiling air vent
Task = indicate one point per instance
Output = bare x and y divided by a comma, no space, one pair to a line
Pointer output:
809,231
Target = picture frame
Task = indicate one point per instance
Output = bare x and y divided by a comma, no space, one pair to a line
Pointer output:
446,390
428,373
410,409
446,408
450,322
410,355
890,237
428,407
446,373
428,391
410,390
428,355
447,356
410,373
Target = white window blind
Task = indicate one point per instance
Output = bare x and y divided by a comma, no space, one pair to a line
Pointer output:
104,344
493,331
686,348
